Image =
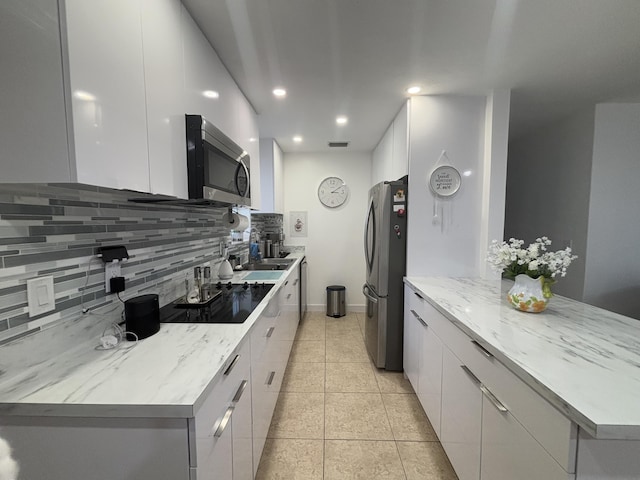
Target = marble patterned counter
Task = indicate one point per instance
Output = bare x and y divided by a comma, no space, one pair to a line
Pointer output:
166,375
584,360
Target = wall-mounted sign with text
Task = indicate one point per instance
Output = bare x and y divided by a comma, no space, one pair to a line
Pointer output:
445,181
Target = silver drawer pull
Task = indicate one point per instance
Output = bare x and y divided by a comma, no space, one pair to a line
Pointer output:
240,391
288,296
270,378
231,365
419,319
296,282
492,398
486,352
418,295
222,424
270,331
287,282
470,373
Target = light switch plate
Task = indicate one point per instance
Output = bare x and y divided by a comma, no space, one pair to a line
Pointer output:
40,295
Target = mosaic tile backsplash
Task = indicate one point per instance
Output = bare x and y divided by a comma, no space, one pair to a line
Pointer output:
57,229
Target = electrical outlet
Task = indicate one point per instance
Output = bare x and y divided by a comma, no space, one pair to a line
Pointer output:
111,269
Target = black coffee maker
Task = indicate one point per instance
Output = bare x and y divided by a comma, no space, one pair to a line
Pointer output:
142,316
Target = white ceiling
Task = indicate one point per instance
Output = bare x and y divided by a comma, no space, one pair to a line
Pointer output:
356,57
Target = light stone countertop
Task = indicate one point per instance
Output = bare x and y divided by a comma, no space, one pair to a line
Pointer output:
166,375
584,360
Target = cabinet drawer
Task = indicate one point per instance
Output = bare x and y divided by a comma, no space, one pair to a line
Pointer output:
510,452
555,432
237,369
413,301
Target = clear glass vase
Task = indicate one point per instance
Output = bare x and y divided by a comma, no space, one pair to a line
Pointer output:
530,294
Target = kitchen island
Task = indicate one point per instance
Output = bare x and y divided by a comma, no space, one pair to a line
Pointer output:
163,398
568,377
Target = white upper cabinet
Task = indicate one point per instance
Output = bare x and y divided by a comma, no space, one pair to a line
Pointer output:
32,102
108,93
96,92
164,88
271,176
391,156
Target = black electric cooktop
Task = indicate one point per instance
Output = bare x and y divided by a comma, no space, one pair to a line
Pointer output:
232,303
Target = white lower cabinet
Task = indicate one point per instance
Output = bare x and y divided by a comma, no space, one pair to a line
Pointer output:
510,452
461,423
491,425
222,425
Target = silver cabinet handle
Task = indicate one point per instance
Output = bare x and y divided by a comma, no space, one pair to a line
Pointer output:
486,352
231,365
492,398
270,378
470,373
270,331
224,421
240,391
418,295
296,282
287,282
419,319
288,296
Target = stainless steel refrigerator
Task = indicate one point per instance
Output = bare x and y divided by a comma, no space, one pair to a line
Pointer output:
385,250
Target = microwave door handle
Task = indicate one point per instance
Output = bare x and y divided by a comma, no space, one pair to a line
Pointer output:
246,174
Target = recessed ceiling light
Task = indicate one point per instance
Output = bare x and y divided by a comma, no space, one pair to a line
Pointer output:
279,92
413,90
297,139
211,94
342,120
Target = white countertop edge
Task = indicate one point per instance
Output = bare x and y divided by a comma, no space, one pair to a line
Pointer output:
599,431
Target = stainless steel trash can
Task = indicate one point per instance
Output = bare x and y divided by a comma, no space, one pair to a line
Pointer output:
335,301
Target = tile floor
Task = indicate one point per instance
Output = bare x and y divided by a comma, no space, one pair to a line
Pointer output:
339,417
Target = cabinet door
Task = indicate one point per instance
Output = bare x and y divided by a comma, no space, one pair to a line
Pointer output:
430,375
214,449
108,93
509,451
461,420
242,431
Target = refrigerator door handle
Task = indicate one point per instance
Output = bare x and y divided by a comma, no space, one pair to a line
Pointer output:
366,294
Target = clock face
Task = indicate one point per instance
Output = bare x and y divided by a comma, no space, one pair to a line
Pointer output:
333,192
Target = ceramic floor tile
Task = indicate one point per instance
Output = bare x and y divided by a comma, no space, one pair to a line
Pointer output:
304,377
425,460
308,351
350,377
298,415
346,350
356,416
289,459
339,328
366,460
311,330
392,382
407,418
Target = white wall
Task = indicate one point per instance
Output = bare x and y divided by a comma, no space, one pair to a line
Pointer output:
548,185
612,274
334,245
455,124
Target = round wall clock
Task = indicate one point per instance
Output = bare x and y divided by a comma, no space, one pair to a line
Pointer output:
333,192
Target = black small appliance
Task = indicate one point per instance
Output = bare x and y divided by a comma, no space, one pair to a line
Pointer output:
142,316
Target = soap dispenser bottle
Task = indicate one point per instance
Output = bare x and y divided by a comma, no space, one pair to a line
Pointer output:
225,272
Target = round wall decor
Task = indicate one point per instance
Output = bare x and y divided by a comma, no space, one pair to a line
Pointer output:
445,181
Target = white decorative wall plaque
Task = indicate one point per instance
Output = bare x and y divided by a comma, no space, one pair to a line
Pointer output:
445,181
298,224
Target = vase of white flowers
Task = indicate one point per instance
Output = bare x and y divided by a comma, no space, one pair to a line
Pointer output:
534,270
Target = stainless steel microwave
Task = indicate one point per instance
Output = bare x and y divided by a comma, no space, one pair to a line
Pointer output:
217,168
